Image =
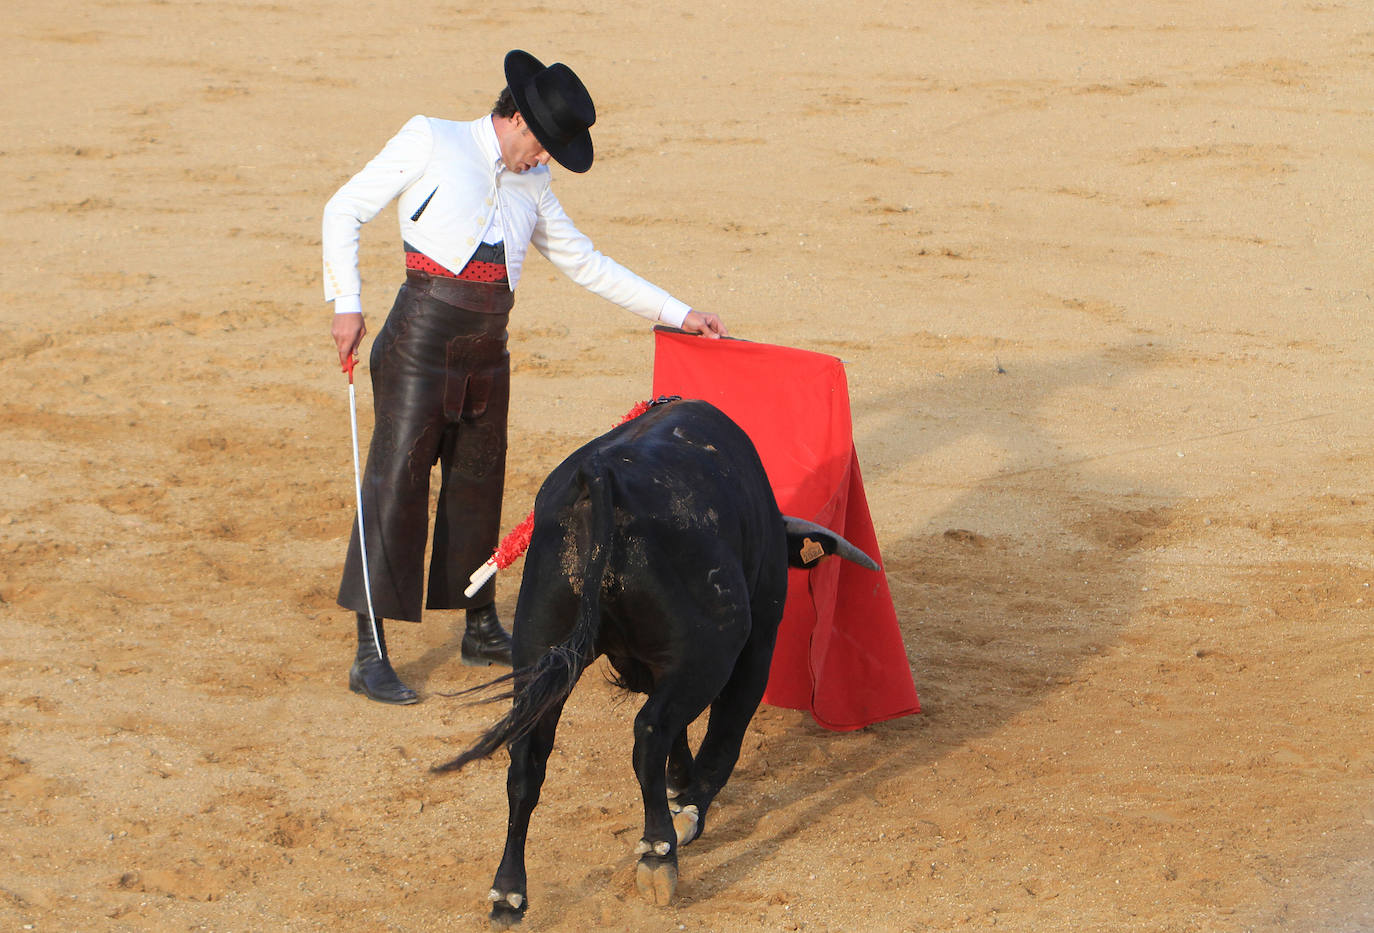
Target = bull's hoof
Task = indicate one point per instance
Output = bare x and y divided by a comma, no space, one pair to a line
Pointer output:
507,910
687,822
656,879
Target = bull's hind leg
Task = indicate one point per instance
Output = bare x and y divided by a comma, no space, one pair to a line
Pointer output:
529,756
659,727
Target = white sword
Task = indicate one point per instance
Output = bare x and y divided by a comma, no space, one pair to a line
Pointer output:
358,489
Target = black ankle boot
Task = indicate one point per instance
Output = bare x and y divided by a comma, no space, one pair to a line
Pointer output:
372,675
484,640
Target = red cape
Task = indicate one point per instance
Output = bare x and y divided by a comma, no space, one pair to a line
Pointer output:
839,651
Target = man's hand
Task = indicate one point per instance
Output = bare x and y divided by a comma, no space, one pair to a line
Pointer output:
707,325
348,331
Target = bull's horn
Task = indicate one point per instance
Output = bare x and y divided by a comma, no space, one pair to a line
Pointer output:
843,548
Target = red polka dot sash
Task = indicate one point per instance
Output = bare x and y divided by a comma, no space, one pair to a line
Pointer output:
475,271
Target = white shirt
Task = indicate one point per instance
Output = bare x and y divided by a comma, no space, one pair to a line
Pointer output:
452,192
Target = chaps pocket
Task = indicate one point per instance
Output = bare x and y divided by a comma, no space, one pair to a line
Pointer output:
477,396
455,393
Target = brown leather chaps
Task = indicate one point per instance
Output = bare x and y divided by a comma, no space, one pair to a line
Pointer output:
440,394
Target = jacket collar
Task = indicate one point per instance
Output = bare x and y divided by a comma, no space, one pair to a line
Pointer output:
485,132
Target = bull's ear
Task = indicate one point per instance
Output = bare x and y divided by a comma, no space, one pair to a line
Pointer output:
808,542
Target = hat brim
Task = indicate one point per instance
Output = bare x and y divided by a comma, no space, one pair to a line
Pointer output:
574,154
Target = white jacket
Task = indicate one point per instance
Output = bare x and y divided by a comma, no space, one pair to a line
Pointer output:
446,185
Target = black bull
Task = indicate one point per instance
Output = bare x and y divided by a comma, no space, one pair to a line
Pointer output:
659,545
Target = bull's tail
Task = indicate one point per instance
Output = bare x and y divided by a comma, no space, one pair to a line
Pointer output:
547,683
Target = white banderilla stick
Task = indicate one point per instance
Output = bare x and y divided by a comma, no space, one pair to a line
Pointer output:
480,576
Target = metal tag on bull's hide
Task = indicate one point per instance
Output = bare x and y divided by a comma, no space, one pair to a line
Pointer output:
811,551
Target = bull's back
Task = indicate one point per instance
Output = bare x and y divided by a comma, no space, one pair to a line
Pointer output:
686,483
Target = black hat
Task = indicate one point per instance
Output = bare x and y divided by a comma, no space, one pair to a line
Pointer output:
555,105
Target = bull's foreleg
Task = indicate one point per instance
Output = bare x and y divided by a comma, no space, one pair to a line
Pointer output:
657,873
680,778
731,713
679,765
529,756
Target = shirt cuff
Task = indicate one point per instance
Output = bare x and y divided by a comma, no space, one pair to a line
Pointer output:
348,304
673,312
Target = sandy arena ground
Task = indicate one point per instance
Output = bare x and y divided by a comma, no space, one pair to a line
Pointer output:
1100,272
